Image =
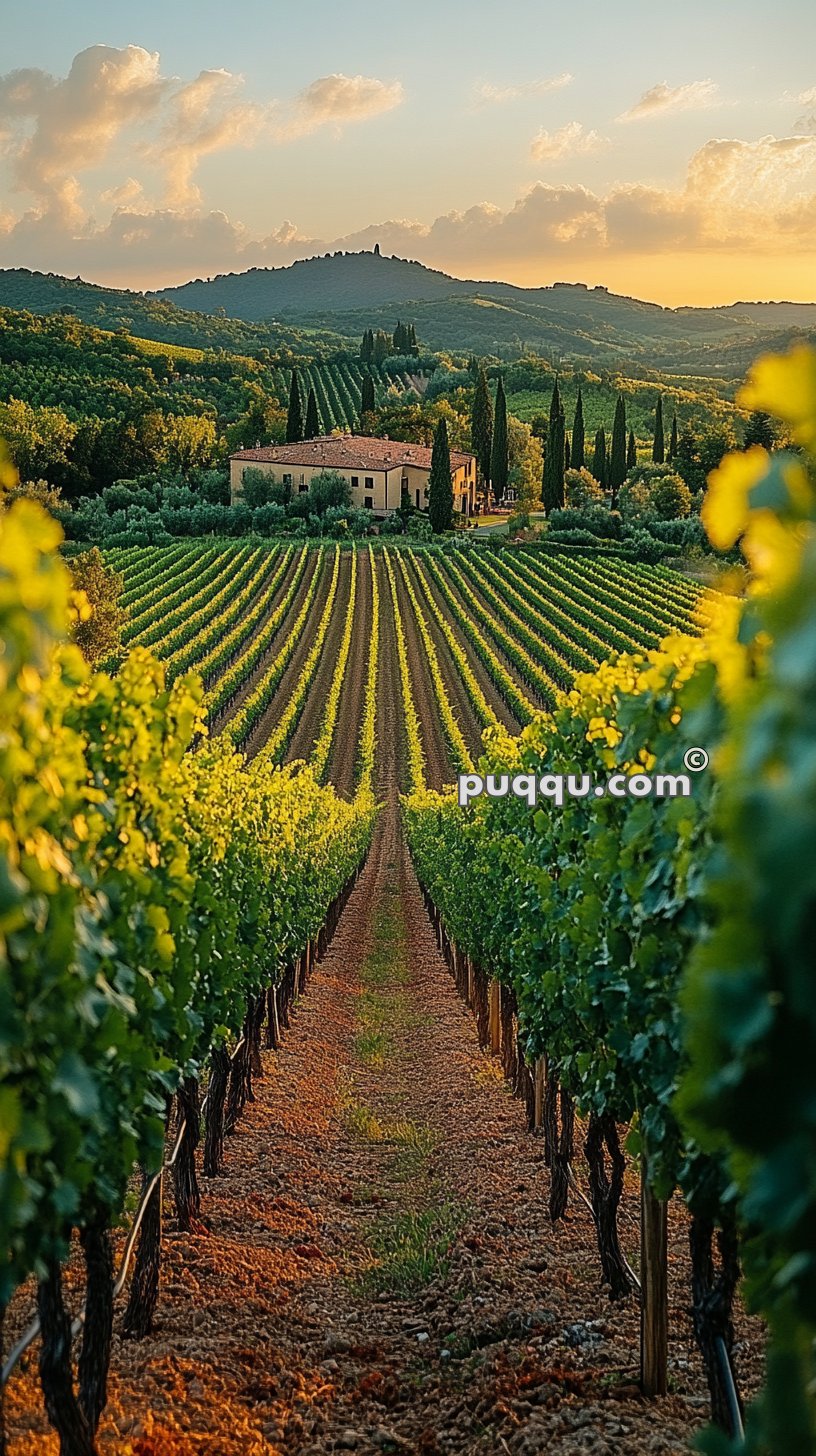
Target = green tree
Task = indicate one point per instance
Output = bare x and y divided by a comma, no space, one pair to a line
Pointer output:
99,634
716,440
631,451
367,401
599,457
673,438
481,425
582,489
566,451
39,439
577,461
329,489
617,459
312,426
499,454
658,444
440,485
687,461
294,420
382,347
554,463
760,430
526,463
189,443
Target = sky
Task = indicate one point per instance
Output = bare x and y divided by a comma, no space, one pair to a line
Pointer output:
664,152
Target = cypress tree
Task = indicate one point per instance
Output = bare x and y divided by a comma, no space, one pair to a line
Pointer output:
367,347
673,438
413,341
367,401
294,419
440,485
617,459
499,454
566,451
599,457
659,448
553,483
631,452
312,425
760,430
577,452
481,425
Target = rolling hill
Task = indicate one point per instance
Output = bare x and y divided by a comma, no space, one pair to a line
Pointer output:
324,304
348,292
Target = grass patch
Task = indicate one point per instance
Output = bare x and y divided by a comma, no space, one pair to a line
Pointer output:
361,1120
371,1046
410,1249
414,1144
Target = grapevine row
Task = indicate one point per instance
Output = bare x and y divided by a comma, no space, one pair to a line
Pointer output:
323,743
275,745
520,704
242,723
460,754
416,753
482,708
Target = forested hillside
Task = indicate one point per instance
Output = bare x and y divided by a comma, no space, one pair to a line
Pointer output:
317,305
153,318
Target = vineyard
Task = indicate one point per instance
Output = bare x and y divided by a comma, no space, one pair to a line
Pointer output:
463,1184
58,362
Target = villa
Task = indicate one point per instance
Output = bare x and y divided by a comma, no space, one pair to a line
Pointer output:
378,470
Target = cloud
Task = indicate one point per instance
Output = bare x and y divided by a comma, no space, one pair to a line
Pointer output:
127,194
569,141
338,99
693,96
491,95
204,116
74,121
807,121
53,129
147,223
758,176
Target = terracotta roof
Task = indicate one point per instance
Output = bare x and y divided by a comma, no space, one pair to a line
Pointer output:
348,452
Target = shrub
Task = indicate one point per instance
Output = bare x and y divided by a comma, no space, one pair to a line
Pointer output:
582,489
596,520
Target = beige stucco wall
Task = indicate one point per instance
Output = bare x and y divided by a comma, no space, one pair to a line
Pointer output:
385,489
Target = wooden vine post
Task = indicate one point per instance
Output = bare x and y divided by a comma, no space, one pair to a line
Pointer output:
654,1314
539,1084
495,1016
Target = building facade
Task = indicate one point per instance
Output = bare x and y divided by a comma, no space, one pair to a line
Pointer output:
377,470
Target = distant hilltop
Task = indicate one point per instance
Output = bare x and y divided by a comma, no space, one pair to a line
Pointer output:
345,281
